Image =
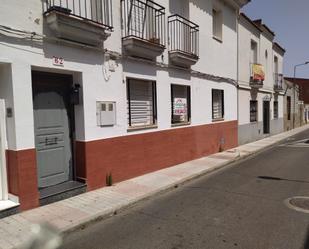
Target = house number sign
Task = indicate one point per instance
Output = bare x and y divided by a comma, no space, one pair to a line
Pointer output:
58,61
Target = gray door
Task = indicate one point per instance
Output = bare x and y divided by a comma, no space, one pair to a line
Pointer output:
51,101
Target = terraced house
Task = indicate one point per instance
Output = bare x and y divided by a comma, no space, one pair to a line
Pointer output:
99,90
260,78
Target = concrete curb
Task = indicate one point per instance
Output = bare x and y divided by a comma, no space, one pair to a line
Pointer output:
81,211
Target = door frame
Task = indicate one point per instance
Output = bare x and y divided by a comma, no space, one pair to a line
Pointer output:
266,128
3,139
68,79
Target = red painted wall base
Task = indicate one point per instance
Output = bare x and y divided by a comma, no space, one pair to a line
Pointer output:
22,177
133,155
124,157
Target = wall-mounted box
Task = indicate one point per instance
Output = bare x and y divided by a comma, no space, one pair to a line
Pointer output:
106,113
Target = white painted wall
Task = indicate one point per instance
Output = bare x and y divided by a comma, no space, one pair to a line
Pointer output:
247,32
244,109
86,65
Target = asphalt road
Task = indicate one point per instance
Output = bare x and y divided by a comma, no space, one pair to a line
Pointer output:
241,206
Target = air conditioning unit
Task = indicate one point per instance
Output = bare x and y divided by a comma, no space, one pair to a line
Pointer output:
106,113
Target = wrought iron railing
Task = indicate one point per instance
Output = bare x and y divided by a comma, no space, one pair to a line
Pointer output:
278,81
97,11
183,35
144,20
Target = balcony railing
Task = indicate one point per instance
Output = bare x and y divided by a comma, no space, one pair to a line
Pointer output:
183,35
96,11
278,86
143,20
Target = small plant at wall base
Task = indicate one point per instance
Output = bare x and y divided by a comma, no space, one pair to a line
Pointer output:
221,145
221,149
109,179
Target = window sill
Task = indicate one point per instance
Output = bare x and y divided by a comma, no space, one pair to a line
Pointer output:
139,128
217,119
253,122
181,124
217,39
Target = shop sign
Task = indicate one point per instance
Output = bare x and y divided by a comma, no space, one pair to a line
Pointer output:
180,108
258,73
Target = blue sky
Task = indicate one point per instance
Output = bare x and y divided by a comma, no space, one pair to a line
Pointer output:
289,19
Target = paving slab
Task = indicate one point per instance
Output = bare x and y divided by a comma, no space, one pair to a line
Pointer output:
73,213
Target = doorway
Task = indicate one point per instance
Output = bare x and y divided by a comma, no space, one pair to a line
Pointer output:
53,127
3,173
266,117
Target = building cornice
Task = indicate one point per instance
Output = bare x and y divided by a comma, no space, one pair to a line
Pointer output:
278,48
237,4
265,29
246,19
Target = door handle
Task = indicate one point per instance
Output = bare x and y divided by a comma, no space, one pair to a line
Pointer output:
51,141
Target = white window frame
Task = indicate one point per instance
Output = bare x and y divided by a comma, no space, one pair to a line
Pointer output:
217,24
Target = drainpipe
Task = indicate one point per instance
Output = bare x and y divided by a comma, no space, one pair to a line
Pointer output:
237,68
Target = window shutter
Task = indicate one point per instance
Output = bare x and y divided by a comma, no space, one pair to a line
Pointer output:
141,103
217,103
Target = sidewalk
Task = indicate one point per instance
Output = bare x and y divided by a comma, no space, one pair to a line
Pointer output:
78,211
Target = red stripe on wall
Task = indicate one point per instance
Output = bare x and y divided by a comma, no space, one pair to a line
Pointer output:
133,155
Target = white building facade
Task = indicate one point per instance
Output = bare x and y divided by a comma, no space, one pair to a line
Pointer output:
96,90
260,79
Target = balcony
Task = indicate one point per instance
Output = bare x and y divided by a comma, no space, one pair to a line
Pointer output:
278,86
257,75
84,21
143,28
183,39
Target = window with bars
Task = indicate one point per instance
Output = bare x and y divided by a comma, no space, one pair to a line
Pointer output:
142,106
288,107
217,104
181,104
253,111
276,114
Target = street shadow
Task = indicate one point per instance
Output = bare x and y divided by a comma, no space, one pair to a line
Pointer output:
271,178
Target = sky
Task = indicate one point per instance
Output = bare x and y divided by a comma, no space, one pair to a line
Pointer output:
289,19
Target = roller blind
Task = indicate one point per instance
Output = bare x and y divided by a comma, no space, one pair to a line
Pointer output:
141,102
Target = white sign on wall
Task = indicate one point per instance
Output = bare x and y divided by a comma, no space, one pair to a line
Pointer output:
180,108
58,61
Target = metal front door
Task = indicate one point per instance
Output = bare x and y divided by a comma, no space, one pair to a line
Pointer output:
51,101
266,117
